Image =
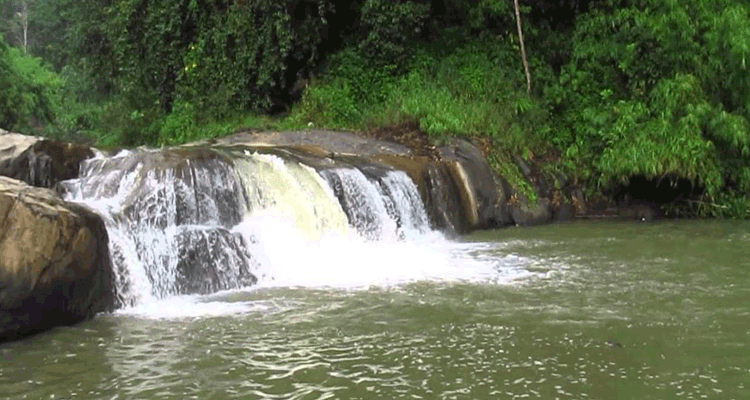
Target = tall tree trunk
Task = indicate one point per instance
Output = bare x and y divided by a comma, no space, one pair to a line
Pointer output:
25,26
23,19
523,48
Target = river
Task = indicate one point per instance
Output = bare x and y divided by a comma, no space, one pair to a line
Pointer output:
582,310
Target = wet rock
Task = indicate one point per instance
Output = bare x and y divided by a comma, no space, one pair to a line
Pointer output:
525,168
41,163
577,199
328,141
442,201
54,261
211,260
563,212
482,193
639,212
525,213
13,144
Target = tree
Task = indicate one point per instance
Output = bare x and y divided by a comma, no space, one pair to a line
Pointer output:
16,15
523,48
23,16
28,90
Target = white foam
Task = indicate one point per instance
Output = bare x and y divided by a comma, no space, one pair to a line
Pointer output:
351,262
296,231
189,307
334,262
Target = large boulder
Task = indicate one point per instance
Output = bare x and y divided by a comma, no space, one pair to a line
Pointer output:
54,261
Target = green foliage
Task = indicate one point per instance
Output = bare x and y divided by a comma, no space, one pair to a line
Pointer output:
29,91
182,126
657,89
369,84
723,205
467,93
331,105
471,93
649,88
390,26
223,57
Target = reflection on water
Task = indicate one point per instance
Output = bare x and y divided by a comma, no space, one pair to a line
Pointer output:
603,311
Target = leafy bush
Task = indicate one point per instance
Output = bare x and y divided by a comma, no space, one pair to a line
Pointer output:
467,92
470,93
646,93
30,91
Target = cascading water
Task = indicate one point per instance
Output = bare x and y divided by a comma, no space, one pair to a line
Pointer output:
292,191
168,219
199,221
380,209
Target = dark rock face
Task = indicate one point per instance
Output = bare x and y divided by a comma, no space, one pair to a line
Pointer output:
564,212
442,201
639,212
44,163
228,266
55,265
482,188
526,213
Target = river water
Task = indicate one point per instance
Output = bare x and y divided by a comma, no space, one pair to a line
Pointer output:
582,310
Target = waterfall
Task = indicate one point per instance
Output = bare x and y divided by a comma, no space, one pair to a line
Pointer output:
196,221
290,190
168,220
380,209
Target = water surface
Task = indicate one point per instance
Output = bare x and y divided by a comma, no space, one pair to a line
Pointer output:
589,310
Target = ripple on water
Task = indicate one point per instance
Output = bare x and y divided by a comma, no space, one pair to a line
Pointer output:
598,324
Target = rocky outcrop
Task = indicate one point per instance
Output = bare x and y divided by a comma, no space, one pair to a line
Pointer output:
41,163
483,193
556,198
13,144
54,261
461,191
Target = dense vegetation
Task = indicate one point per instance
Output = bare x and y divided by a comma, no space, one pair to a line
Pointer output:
656,89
